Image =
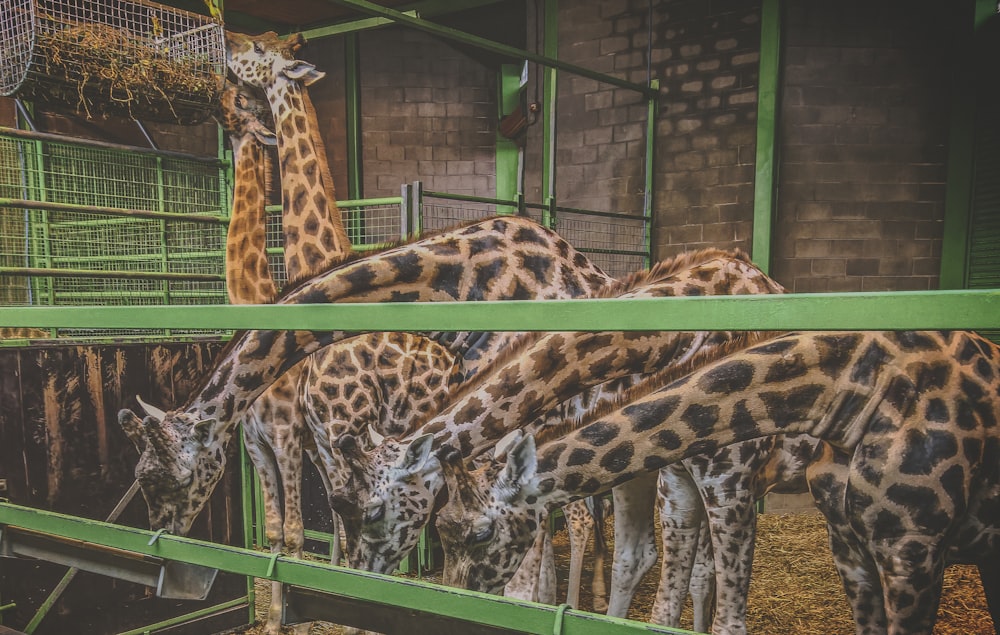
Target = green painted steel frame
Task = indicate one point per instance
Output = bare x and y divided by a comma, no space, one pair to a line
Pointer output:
765,179
916,310
454,604
961,149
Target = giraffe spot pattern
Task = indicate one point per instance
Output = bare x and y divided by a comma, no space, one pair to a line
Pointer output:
727,378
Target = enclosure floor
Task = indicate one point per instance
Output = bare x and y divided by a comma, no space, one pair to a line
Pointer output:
795,589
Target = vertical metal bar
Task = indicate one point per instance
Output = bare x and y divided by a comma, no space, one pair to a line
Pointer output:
405,226
42,245
164,257
355,150
417,208
549,96
961,157
647,199
767,121
509,79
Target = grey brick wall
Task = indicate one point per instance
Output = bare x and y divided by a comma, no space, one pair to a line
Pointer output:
428,113
863,139
705,56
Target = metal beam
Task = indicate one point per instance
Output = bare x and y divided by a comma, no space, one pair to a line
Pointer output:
911,310
450,610
515,54
765,174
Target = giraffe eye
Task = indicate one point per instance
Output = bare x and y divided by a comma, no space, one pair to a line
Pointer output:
374,514
481,535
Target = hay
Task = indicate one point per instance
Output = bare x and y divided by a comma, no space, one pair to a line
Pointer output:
99,69
795,589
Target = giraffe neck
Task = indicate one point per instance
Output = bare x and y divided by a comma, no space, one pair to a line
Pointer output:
315,237
546,371
446,267
248,275
832,386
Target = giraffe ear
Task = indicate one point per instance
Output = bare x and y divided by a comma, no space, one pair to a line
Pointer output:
522,464
304,72
265,136
415,457
204,431
503,445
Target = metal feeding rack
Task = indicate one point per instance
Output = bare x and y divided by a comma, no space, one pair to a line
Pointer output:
129,58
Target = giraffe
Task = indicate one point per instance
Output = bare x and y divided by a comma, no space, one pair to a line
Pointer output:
916,412
182,451
522,385
314,234
708,525
248,274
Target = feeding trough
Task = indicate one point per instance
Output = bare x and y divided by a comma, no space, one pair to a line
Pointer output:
128,58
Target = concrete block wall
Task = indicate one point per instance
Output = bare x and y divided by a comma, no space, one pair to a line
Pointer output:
863,145
428,112
705,56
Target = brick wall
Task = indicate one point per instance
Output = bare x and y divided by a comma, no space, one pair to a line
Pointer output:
428,113
705,56
863,131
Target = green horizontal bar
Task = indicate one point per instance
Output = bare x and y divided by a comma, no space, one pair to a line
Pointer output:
911,310
349,27
182,619
457,604
351,204
100,273
17,203
468,198
28,135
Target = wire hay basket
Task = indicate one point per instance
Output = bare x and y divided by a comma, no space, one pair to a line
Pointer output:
128,58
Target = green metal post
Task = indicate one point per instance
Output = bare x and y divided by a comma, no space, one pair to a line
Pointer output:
161,207
549,96
961,157
648,185
767,121
248,491
507,164
355,155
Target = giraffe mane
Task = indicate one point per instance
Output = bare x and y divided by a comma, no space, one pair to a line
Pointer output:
741,341
350,259
659,271
666,268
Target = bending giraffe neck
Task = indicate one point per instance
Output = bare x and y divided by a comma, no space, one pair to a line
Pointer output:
543,370
446,267
829,385
315,237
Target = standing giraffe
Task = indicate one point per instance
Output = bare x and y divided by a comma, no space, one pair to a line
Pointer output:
537,375
917,412
182,452
314,234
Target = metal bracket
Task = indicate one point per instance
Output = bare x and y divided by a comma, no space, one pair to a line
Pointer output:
171,579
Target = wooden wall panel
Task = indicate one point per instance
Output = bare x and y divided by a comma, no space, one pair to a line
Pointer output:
61,449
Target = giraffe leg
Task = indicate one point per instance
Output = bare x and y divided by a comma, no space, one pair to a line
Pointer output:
682,515
578,524
734,525
598,586
702,585
912,571
262,456
989,573
635,540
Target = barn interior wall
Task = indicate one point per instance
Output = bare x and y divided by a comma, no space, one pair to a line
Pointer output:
863,132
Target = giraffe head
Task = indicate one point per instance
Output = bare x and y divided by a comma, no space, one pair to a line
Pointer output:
180,463
402,481
263,60
243,116
491,518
